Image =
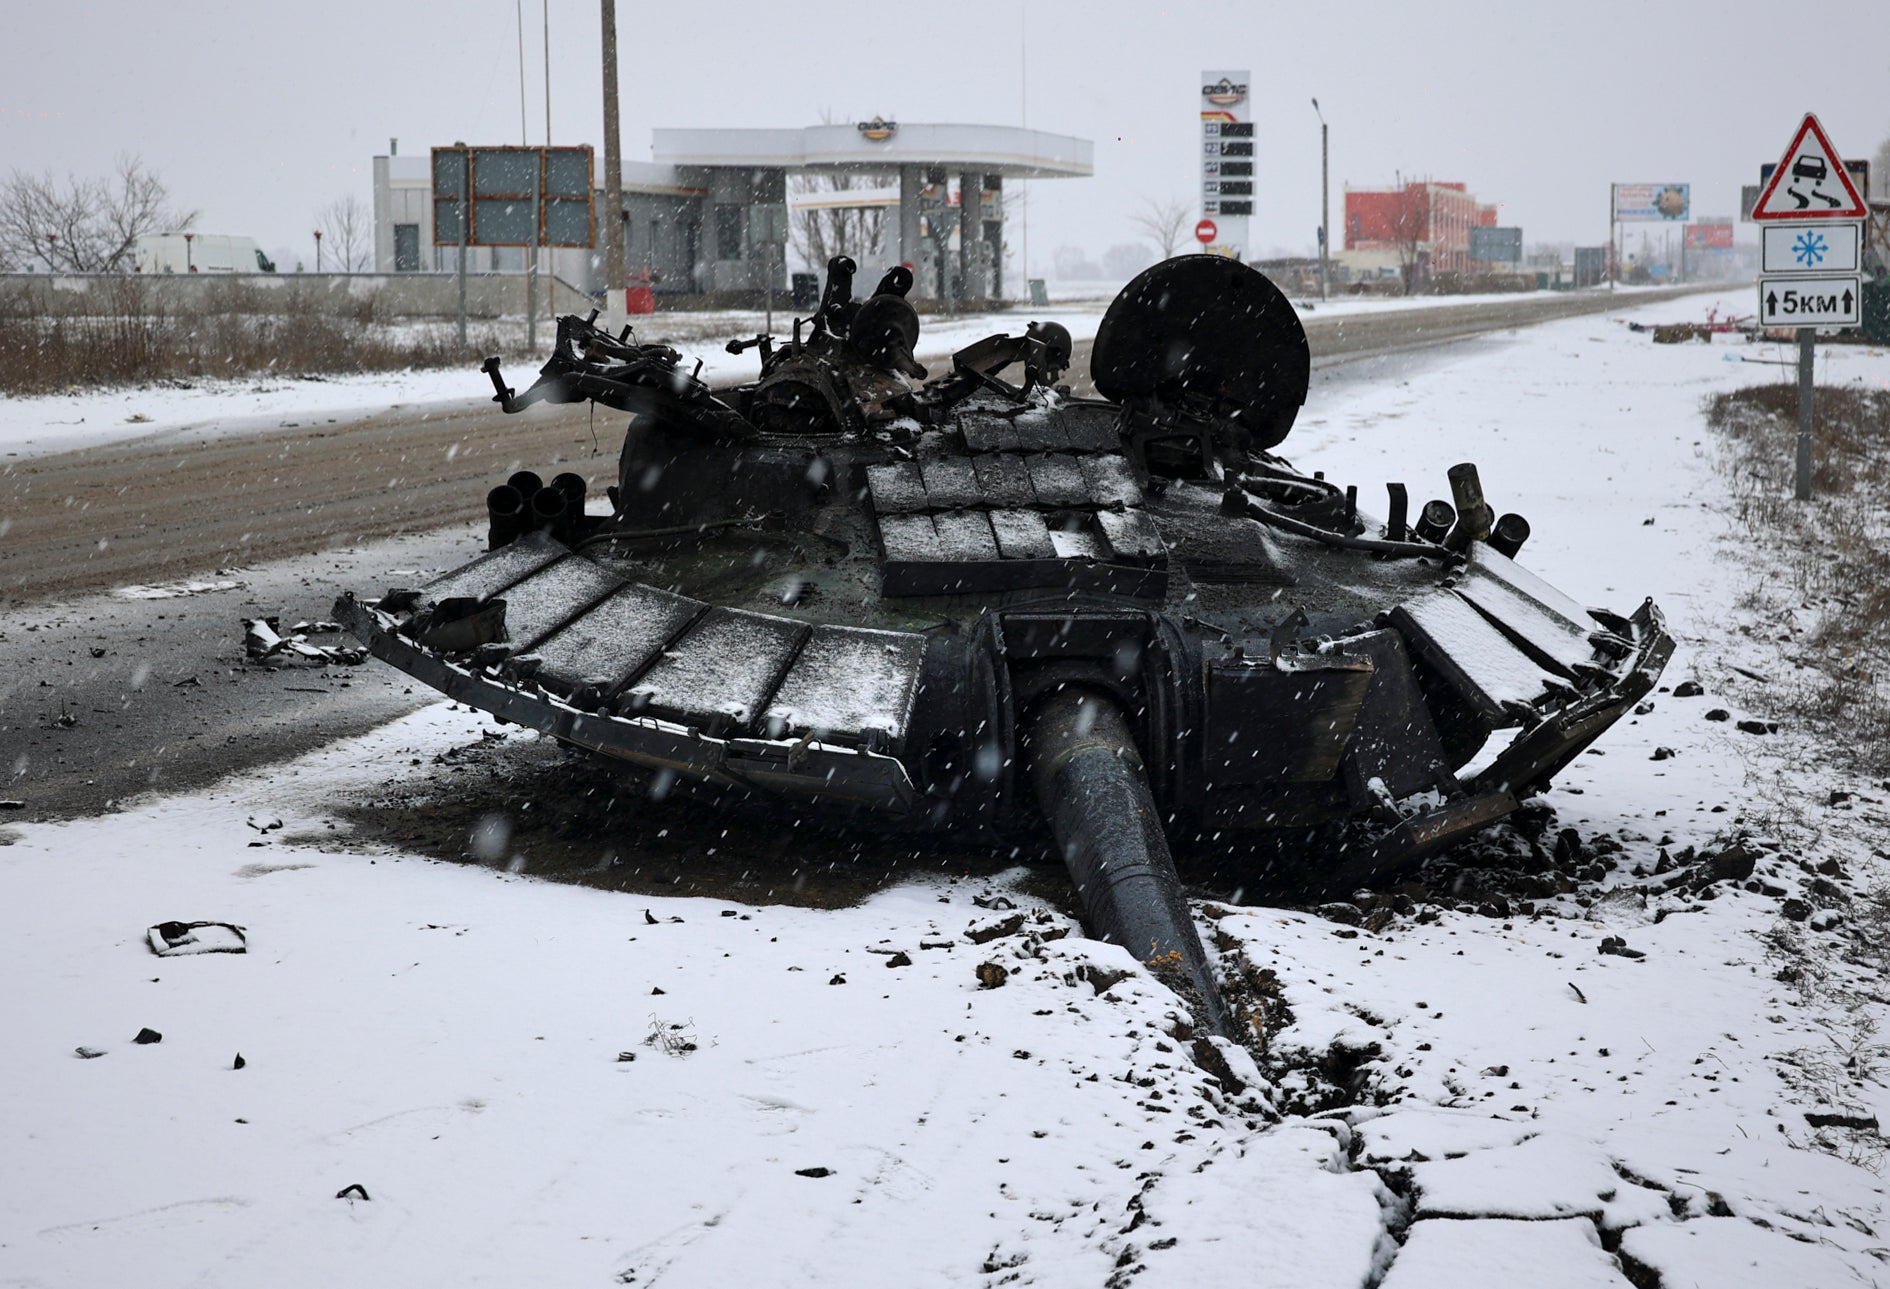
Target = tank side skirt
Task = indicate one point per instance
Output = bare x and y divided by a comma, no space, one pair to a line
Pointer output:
800,768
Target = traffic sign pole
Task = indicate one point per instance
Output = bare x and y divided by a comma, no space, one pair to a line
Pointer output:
1807,337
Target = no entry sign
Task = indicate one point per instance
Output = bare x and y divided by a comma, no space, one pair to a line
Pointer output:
1205,232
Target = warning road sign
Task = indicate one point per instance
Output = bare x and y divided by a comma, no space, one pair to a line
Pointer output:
1835,301
1810,182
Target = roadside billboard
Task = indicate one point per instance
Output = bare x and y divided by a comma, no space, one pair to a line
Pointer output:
1496,245
1710,236
520,196
1642,202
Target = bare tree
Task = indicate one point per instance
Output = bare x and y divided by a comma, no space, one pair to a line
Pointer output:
84,225
1164,222
818,233
347,235
1409,217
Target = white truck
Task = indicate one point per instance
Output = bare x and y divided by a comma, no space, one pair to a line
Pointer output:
198,253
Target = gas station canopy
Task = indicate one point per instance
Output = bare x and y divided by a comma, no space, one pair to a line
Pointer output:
1006,150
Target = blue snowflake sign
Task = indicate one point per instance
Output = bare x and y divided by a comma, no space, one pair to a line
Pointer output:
1798,249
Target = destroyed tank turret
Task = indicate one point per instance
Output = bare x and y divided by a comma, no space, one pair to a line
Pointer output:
977,602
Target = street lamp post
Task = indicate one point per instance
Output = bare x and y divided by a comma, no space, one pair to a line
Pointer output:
52,244
318,250
1325,210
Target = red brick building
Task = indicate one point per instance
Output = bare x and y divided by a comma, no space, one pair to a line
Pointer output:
1430,221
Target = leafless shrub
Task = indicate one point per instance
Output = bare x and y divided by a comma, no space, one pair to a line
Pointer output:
129,336
1830,580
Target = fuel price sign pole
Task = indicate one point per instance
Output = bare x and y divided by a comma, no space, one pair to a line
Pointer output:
1810,261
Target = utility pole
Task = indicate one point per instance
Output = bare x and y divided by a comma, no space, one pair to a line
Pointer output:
1613,268
549,269
1325,208
615,251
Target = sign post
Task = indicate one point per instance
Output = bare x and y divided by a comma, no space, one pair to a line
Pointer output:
1809,259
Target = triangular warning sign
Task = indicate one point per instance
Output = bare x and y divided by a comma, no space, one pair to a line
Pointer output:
1810,181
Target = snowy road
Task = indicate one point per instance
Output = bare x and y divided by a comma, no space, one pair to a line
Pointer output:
1452,1099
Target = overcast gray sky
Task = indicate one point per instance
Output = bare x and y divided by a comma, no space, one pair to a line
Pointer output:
259,115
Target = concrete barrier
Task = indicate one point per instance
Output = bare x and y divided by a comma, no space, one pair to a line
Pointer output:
367,296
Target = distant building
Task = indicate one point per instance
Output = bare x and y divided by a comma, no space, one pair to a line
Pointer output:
694,218
1417,231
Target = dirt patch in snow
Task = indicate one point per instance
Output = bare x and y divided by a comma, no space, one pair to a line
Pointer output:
530,806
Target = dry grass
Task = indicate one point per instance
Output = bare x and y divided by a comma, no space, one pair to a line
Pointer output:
131,338
1831,588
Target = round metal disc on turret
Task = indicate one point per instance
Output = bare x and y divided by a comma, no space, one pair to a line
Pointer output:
1209,327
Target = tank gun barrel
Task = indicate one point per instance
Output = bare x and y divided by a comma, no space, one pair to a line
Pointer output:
1091,786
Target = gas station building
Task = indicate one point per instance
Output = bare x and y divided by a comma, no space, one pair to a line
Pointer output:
709,214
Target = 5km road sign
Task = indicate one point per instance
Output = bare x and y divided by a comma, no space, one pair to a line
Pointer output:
1834,301
1808,249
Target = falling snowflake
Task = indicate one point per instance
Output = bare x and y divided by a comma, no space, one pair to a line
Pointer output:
1809,249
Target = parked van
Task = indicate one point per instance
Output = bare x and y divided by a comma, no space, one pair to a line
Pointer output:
198,253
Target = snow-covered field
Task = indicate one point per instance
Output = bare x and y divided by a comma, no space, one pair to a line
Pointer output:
541,1084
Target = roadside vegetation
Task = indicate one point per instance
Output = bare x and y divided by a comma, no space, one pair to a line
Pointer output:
1831,609
129,336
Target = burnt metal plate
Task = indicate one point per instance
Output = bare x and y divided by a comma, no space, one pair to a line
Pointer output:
950,484
987,433
1450,636
495,571
964,536
1109,481
721,672
1058,480
1267,724
898,489
908,538
616,640
1395,741
1040,429
551,597
1022,534
1132,537
849,685
1004,480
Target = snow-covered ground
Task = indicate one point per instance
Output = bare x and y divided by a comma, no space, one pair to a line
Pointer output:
542,1084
